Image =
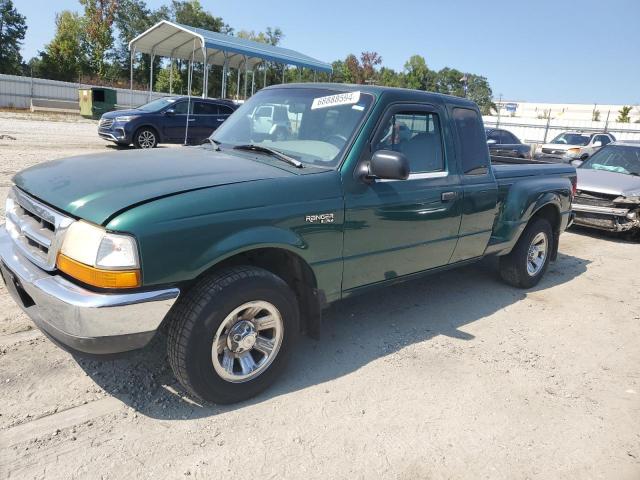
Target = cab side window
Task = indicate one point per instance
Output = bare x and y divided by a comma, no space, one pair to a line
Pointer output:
418,136
473,144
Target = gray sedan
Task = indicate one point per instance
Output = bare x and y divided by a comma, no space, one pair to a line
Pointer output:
608,191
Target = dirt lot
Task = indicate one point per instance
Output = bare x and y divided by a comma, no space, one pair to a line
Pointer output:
452,376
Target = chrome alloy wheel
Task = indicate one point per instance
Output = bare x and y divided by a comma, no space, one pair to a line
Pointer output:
247,341
537,254
146,139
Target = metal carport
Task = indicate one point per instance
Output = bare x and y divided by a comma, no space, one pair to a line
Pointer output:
176,41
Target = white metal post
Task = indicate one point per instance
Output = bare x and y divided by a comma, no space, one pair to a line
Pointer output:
205,73
225,67
153,56
171,76
238,87
245,78
133,54
264,80
253,80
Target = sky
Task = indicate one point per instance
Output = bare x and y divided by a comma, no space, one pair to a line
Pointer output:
561,51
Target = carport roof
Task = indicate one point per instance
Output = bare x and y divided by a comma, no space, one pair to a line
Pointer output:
169,39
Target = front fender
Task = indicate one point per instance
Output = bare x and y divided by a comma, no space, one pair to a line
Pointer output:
247,240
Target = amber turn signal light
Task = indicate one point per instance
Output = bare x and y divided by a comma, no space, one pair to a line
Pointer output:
98,277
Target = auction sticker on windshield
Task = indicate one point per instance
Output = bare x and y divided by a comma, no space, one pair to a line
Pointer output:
347,98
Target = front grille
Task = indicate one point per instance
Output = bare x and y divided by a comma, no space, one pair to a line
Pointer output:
36,228
595,199
551,151
105,123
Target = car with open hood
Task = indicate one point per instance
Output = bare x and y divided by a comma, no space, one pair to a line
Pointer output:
608,192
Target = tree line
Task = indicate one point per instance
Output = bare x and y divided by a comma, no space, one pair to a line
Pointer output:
93,47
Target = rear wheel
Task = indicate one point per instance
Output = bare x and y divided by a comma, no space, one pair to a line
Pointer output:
231,335
525,266
145,137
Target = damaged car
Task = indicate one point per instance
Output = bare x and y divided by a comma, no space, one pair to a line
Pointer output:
608,192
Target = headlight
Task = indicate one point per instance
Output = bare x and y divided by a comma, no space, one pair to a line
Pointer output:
99,258
126,118
572,152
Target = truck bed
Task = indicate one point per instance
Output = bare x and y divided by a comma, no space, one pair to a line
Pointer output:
506,168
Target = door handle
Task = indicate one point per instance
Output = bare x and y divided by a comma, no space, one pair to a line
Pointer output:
192,119
221,119
448,196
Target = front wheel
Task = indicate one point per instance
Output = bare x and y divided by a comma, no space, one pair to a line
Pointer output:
231,335
145,138
525,266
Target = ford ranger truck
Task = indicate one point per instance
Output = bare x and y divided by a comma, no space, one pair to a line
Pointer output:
235,247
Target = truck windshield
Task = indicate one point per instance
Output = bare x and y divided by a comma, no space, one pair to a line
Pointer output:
312,125
571,139
615,158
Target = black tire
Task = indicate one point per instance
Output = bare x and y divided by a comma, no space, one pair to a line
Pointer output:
513,267
197,316
145,137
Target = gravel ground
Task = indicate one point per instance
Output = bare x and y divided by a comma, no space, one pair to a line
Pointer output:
452,376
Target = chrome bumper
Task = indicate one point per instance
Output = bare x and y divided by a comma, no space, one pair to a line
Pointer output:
86,321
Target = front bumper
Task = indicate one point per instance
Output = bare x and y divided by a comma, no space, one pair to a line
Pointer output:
612,219
117,132
83,320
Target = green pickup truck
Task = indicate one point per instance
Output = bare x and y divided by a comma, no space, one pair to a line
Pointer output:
235,247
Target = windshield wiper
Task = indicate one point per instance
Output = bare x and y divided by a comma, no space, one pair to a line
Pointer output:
270,151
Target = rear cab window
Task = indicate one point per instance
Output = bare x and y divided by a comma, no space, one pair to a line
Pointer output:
472,141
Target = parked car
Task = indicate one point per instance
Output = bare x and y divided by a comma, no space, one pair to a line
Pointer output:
505,144
570,146
165,120
608,194
271,121
236,246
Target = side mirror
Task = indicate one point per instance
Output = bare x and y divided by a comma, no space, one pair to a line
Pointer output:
576,163
597,143
491,141
169,112
389,165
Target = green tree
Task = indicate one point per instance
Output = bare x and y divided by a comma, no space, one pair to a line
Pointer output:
479,91
98,20
623,115
12,31
65,57
164,80
131,19
417,74
352,71
390,78
191,13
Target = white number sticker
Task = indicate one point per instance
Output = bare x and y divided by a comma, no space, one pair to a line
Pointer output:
347,98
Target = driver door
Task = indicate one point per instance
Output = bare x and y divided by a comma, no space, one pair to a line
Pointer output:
399,227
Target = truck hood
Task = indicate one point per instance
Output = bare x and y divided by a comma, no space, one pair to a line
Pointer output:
610,183
95,187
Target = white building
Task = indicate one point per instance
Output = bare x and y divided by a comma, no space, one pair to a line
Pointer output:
565,111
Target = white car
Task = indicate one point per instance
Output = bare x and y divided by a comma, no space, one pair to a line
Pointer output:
570,146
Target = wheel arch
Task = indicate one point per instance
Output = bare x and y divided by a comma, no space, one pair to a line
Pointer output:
283,261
